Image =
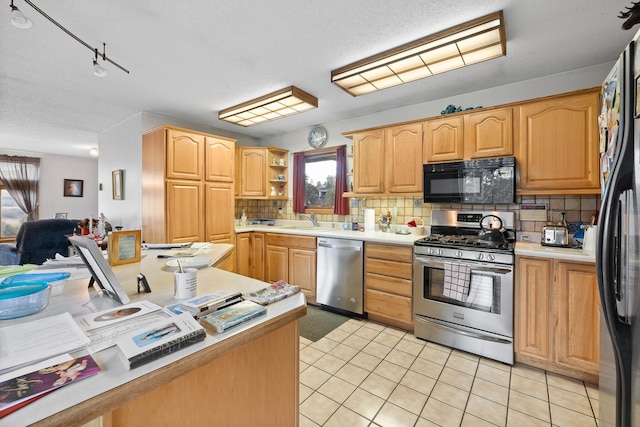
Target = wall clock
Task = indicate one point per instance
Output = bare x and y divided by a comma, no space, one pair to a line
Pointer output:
317,136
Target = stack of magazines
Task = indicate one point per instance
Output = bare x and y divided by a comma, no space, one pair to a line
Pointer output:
270,294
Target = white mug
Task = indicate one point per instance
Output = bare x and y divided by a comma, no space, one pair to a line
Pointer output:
185,285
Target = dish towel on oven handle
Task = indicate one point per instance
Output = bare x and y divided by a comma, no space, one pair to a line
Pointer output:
457,277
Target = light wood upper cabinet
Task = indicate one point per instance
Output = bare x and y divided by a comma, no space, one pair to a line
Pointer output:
196,207
558,317
219,159
259,169
557,145
481,134
388,161
253,167
488,134
184,154
369,160
403,148
219,201
184,212
443,139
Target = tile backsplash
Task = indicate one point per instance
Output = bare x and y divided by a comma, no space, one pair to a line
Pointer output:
577,208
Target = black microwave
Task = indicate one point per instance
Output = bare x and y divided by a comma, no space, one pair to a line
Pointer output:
472,181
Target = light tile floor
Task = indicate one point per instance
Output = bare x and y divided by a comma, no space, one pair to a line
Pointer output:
367,374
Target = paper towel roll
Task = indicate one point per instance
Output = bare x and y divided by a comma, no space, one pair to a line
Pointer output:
369,220
589,242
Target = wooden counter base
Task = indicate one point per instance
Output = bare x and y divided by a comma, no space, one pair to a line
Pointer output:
247,379
252,385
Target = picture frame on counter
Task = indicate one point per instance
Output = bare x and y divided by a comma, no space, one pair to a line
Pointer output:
124,247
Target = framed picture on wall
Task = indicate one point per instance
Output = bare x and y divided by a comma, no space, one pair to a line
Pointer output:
73,187
61,215
117,177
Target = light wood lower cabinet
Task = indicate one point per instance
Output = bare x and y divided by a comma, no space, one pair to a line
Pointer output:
388,284
558,317
292,258
250,250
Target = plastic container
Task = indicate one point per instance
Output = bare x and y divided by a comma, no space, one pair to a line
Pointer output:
56,280
23,299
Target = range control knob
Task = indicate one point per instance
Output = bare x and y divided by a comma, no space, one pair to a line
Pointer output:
440,251
459,254
431,251
480,256
491,257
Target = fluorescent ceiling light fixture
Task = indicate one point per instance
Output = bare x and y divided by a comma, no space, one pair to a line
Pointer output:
276,105
469,43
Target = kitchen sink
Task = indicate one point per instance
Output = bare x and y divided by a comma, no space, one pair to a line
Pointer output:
306,227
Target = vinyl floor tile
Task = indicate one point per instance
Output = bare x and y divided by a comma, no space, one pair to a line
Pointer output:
367,374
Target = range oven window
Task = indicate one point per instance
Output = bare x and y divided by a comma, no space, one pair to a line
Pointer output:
483,292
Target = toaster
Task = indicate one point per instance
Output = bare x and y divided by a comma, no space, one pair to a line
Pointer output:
555,235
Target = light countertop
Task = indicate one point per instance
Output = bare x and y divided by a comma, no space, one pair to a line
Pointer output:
334,232
103,392
569,254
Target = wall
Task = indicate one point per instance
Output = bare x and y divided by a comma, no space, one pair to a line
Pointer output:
557,83
120,145
53,170
577,207
121,148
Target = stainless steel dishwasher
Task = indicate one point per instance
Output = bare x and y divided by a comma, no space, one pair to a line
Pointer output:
340,274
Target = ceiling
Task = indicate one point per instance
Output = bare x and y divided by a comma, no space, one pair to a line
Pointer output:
190,59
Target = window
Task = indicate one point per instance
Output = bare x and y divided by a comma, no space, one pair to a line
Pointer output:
320,181
11,216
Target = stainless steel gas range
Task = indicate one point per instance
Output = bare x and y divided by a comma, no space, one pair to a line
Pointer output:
463,282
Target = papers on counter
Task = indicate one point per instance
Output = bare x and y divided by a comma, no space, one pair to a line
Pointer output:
29,342
105,327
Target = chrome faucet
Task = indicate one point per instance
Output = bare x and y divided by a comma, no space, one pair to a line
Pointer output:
311,218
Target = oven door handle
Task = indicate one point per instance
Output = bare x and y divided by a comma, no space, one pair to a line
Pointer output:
492,271
467,333
474,266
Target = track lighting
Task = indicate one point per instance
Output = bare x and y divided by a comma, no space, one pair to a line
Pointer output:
98,71
18,19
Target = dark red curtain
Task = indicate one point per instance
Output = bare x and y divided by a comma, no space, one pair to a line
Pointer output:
298,183
341,204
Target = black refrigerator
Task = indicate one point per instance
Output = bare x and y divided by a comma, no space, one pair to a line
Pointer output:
617,245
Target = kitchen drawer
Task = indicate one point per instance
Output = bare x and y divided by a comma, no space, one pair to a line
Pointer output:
387,305
392,285
389,268
291,241
389,252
